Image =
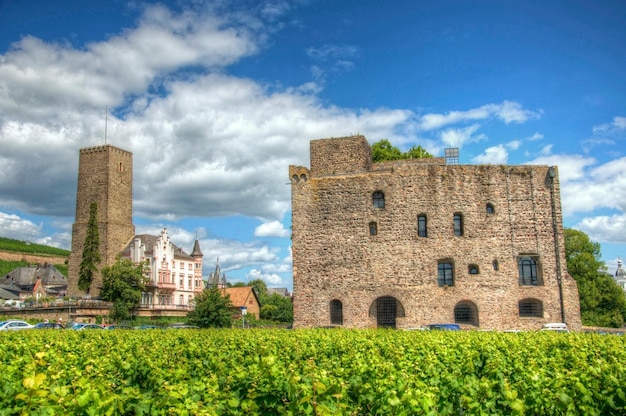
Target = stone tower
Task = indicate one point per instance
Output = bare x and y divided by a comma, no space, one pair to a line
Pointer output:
105,176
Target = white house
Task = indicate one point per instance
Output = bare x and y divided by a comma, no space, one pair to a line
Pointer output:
175,277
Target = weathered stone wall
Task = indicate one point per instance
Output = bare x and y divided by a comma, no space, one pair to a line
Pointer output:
104,176
342,155
335,257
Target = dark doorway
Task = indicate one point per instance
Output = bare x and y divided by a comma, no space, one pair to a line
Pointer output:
386,312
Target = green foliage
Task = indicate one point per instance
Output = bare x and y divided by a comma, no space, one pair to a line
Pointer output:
7,244
311,372
91,251
277,308
383,150
212,309
602,301
260,287
7,266
122,284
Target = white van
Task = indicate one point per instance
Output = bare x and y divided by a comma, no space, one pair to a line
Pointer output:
555,326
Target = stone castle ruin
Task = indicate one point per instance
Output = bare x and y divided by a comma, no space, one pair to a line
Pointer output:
407,243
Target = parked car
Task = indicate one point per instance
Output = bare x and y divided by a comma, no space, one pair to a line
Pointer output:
82,326
14,325
48,325
115,326
555,326
444,327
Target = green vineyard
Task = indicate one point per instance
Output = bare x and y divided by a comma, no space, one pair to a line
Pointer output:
311,372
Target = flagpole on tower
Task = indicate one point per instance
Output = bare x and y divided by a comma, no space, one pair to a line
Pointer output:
106,119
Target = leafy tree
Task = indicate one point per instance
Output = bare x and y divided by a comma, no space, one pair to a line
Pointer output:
122,284
416,153
212,309
91,251
277,308
602,301
383,150
260,287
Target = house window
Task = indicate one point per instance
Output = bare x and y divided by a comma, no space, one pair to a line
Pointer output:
445,272
422,230
373,228
489,209
378,199
336,312
457,221
188,283
181,300
530,308
473,269
496,265
466,312
528,271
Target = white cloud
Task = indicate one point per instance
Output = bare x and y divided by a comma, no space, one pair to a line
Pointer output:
507,111
535,136
271,229
618,124
458,137
332,52
609,229
271,279
495,155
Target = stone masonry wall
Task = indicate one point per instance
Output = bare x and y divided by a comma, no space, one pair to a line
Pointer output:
105,177
335,257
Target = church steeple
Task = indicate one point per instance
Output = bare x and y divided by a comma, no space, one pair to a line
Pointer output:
217,278
196,249
620,274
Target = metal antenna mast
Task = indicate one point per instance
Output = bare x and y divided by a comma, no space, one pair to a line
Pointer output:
106,119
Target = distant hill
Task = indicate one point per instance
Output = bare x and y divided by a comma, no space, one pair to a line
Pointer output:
15,253
7,244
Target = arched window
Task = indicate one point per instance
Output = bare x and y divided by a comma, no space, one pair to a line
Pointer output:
422,226
445,273
496,265
466,312
473,269
181,300
373,228
457,221
530,308
378,199
336,312
529,271
490,209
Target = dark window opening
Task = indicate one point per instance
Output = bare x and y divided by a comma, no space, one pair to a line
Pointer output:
445,273
530,308
422,230
473,269
458,224
378,199
496,266
336,312
528,271
466,312
373,228
490,209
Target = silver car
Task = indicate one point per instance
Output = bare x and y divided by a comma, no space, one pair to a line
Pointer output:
15,325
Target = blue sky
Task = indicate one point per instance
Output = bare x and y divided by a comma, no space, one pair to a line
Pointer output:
217,98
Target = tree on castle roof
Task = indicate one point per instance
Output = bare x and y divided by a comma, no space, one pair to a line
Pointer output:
383,150
91,251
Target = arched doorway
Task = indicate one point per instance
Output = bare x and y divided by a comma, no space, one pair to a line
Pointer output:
386,309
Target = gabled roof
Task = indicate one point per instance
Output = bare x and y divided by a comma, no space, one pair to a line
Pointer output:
240,295
26,277
9,293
